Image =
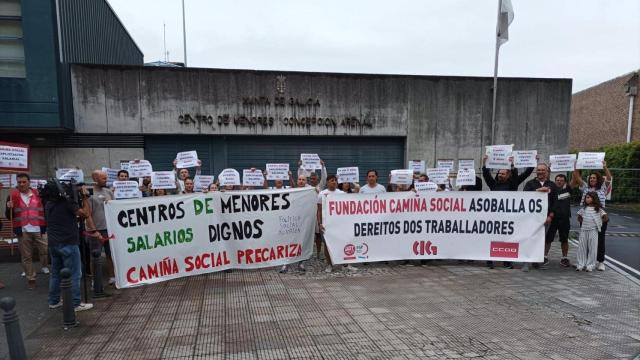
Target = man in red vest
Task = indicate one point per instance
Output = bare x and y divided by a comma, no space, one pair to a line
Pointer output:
29,226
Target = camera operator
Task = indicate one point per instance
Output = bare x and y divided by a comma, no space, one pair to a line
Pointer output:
25,207
62,214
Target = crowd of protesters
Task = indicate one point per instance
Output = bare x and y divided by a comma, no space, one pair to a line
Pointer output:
47,228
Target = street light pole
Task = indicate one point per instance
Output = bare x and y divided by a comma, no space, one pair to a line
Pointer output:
184,35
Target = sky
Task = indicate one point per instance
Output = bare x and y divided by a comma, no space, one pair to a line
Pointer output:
589,41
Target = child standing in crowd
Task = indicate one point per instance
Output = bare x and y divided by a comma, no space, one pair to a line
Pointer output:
590,218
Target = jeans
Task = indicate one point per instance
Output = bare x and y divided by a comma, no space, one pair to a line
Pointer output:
64,256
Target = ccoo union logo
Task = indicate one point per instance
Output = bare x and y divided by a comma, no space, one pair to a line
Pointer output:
351,251
504,249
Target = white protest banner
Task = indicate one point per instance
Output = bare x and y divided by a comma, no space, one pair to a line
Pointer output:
252,177
36,183
70,174
168,237
163,180
140,168
466,164
466,177
187,159
311,161
590,160
6,181
126,190
202,182
525,158
560,163
417,166
229,177
14,157
401,177
112,175
438,175
348,175
435,225
425,186
277,171
499,156
124,164
445,164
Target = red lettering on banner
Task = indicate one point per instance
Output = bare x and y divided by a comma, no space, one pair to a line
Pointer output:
417,204
447,204
166,266
504,249
357,207
206,261
260,255
424,247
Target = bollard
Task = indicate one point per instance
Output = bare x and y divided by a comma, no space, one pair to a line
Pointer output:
12,328
68,312
98,288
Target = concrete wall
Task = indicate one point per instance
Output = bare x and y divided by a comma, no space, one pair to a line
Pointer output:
441,117
603,110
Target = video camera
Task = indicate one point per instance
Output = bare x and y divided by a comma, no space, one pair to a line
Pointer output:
57,190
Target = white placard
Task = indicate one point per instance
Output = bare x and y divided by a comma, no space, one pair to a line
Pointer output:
590,160
425,186
466,164
36,183
417,166
229,177
466,177
446,164
499,156
7,181
202,182
163,180
140,168
438,225
187,159
401,177
438,175
252,177
112,175
194,234
277,171
14,156
560,163
525,158
69,174
126,190
348,175
124,165
311,161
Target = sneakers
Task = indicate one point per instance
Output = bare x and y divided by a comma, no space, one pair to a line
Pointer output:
546,261
83,307
589,269
301,267
55,306
328,269
23,274
525,267
578,268
565,262
45,270
600,266
350,267
284,269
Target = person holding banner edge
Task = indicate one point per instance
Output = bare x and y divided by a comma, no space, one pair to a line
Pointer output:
601,185
505,180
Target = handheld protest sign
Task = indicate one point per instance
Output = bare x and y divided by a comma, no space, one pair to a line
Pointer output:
417,166
187,159
202,182
525,158
425,186
7,180
252,177
438,175
163,180
498,156
466,177
229,177
590,160
348,175
401,177
311,161
466,164
140,168
277,171
14,156
112,175
560,163
70,174
126,190
445,164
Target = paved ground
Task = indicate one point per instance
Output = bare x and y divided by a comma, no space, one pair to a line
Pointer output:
443,310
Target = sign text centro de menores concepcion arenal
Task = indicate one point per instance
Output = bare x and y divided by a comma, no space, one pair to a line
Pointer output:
161,238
